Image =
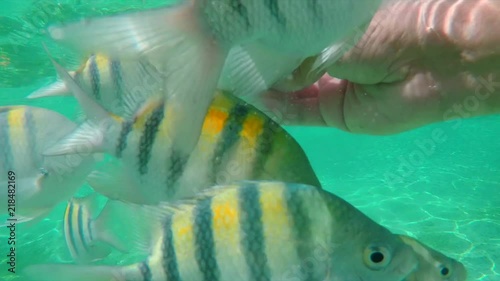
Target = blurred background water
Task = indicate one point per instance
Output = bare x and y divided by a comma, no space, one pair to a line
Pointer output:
439,183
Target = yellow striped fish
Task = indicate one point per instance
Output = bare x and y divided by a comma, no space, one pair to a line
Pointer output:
433,265
259,231
87,237
237,142
117,86
35,183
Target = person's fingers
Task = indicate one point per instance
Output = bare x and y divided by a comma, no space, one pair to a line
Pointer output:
384,49
422,99
301,78
295,108
332,92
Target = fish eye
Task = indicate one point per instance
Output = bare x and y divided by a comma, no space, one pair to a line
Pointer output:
376,257
444,270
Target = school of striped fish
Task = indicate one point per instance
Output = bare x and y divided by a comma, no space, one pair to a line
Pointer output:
194,177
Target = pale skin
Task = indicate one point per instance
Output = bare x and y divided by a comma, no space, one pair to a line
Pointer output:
419,62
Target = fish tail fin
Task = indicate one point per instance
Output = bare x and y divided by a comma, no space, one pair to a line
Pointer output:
57,88
63,272
178,43
101,227
89,137
128,227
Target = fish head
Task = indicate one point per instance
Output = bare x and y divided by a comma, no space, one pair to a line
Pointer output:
433,265
372,256
60,177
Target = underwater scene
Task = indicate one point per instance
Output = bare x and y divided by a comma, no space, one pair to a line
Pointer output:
102,180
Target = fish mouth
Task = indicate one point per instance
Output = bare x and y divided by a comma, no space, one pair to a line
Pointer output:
406,268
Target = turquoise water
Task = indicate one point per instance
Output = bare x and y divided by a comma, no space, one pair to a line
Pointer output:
444,191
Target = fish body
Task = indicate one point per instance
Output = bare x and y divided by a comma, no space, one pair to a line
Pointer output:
86,236
433,265
260,231
237,142
38,182
191,42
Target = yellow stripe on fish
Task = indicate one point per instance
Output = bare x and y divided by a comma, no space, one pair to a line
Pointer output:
252,128
18,132
25,132
227,233
214,122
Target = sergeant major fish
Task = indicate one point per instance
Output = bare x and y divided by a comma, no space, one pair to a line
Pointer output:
191,42
39,182
87,236
259,231
237,142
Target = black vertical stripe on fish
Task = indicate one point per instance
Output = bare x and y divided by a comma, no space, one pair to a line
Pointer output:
70,227
274,9
229,136
145,271
5,145
204,241
95,78
301,227
148,137
89,227
175,170
80,229
30,126
122,139
117,78
253,242
242,11
169,264
264,146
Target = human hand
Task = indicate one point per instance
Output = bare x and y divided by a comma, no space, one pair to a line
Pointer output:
419,62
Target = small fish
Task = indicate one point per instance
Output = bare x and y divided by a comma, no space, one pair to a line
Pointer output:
433,265
191,42
259,231
36,183
88,238
237,142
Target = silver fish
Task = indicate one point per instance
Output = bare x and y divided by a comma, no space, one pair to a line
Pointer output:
34,183
257,42
259,231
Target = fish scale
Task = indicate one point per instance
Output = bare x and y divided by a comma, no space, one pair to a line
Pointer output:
253,242
301,228
169,257
148,137
205,254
